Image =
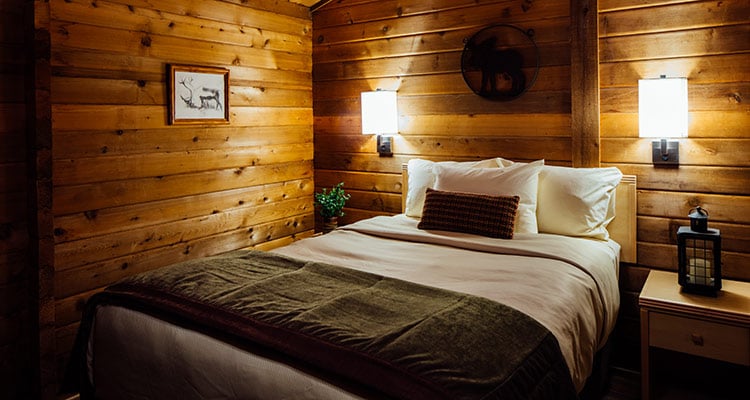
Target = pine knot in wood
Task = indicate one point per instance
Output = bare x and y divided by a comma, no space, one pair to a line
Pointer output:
146,41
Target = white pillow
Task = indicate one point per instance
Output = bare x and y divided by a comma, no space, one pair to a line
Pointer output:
422,176
577,201
516,180
502,163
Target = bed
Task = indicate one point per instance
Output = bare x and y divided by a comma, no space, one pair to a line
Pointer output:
404,306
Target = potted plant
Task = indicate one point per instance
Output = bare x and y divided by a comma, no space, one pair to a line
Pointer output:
331,204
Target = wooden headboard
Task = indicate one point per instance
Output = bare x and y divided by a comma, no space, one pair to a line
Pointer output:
622,229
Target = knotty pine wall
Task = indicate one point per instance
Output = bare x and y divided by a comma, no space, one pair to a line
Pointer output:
709,43
15,310
131,193
415,47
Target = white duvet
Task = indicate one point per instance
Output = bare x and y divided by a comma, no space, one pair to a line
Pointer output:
567,284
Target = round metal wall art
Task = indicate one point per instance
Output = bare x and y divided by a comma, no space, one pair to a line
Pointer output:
500,62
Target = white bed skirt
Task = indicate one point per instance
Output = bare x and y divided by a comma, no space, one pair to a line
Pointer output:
142,357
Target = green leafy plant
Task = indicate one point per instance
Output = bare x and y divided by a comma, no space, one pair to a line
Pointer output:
332,202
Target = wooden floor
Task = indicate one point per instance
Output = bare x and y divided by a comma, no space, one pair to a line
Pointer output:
626,385
623,385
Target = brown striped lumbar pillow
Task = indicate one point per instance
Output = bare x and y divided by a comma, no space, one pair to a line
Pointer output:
477,214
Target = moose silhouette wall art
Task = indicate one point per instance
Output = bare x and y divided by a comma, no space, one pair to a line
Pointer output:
496,60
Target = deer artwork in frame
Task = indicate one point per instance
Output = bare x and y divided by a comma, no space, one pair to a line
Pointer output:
198,95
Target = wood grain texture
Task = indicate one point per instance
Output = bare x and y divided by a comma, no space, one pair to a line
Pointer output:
132,193
415,48
99,274
77,226
692,15
706,42
703,124
44,379
717,40
584,73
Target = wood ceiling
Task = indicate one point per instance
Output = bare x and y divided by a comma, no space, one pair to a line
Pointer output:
306,3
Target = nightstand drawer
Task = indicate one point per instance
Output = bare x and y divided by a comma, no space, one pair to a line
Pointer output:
700,338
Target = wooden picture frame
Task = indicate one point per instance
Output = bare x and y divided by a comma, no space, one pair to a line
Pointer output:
198,95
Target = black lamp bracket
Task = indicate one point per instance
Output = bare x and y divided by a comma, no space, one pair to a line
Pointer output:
385,148
665,152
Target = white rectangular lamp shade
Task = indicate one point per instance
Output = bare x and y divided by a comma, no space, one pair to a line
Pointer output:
662,107
379,113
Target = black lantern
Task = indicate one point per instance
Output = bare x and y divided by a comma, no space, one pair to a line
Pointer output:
699,255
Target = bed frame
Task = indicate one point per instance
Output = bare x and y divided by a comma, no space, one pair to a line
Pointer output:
622,229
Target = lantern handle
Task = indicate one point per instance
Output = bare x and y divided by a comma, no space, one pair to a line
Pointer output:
699,210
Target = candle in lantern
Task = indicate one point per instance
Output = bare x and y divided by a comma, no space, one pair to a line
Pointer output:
700,270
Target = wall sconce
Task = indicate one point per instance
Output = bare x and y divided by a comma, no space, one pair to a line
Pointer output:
663,113
380,117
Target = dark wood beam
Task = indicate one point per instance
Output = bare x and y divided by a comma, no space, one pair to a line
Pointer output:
41,240
584,71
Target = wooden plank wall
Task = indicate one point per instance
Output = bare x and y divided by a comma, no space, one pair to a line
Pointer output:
709,43
15,311
132,193
415,47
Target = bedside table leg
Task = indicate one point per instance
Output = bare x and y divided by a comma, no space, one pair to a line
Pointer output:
645,372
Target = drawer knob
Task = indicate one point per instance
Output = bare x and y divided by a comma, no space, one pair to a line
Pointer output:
697,339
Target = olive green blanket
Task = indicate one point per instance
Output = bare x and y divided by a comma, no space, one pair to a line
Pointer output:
395,338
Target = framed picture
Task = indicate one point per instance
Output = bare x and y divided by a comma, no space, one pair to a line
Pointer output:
198,95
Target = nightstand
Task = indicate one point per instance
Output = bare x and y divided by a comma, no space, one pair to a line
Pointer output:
713,327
